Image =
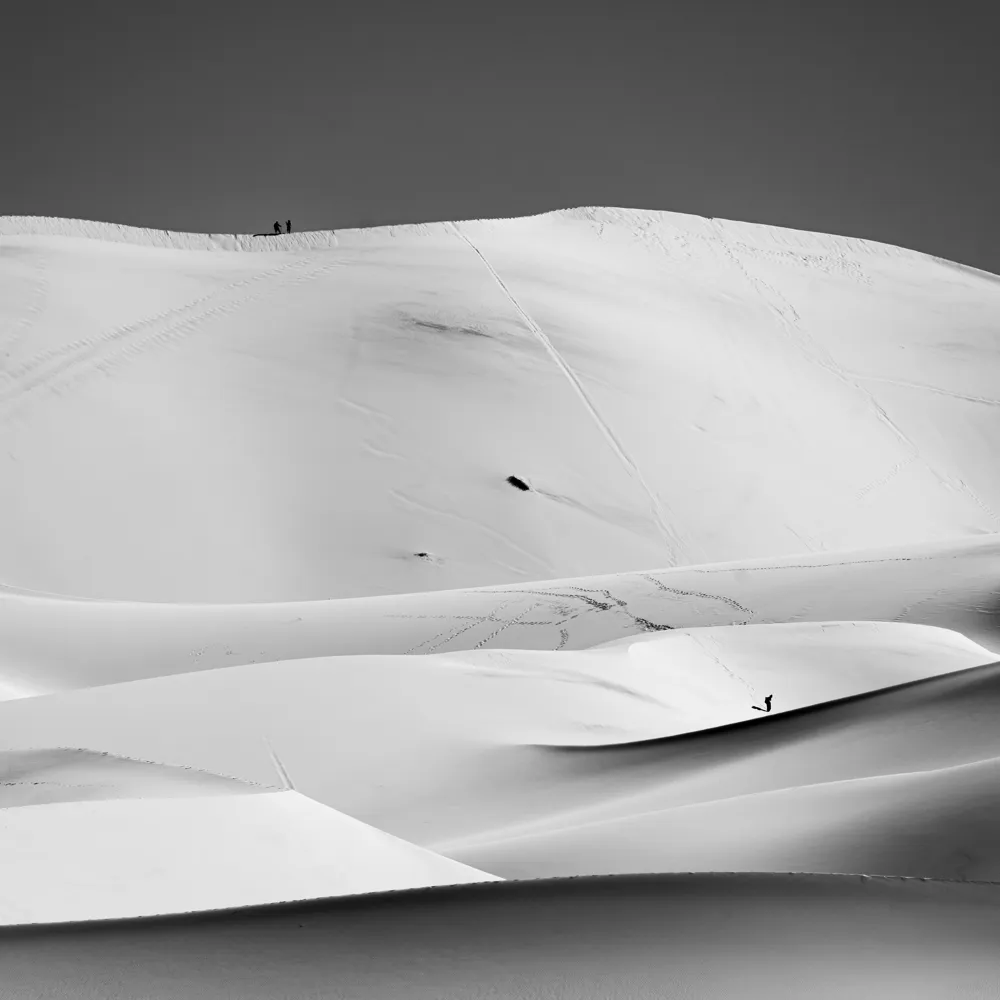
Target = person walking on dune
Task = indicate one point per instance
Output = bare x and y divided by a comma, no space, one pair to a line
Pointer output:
277,229
767,705
288,226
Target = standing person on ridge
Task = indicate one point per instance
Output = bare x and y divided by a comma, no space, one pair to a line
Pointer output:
277,229
288,226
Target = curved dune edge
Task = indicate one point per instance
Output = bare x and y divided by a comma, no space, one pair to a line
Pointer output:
451,893
645,937
36,225
471,761
49,644
43,775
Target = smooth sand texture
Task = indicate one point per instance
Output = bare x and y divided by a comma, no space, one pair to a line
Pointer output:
49,644
689,937
298,424
277,625
33,776
464,752
95,860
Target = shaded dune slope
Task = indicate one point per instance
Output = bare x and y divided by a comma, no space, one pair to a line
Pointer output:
691,936
901,781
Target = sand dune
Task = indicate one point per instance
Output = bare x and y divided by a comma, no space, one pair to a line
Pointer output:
232,426
922,726
942,823
126,858
440,747
340,563
691,936
49,643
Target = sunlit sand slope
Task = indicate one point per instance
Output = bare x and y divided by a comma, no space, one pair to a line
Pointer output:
33,776
125,858
533,763
697,937
48,644
184,421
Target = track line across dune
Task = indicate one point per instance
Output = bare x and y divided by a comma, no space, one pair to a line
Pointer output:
669,535
36,305
987,400
119,333
121,344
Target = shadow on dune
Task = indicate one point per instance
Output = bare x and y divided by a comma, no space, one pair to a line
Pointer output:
636,937
900,781
966,700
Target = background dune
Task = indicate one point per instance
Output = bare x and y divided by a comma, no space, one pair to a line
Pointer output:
302,423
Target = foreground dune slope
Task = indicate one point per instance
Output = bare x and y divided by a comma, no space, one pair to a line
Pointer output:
137,857
187,421
629,937
50,643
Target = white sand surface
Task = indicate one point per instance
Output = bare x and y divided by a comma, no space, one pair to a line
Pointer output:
33,776
899,782
126,858
696,937
182,422
275,626
441,748
49,643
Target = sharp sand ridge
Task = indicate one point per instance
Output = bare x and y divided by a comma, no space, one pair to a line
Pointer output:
597,543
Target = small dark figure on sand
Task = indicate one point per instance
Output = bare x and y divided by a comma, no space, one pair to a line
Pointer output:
767,705
288,226
277,228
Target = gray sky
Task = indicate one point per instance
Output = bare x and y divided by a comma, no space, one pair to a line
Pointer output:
864,117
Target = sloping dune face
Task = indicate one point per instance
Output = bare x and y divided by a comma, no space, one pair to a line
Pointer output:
90,860
604,543
339,416
697,937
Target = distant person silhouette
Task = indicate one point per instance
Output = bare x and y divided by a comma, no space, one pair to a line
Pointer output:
288,226
277,229
767,705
